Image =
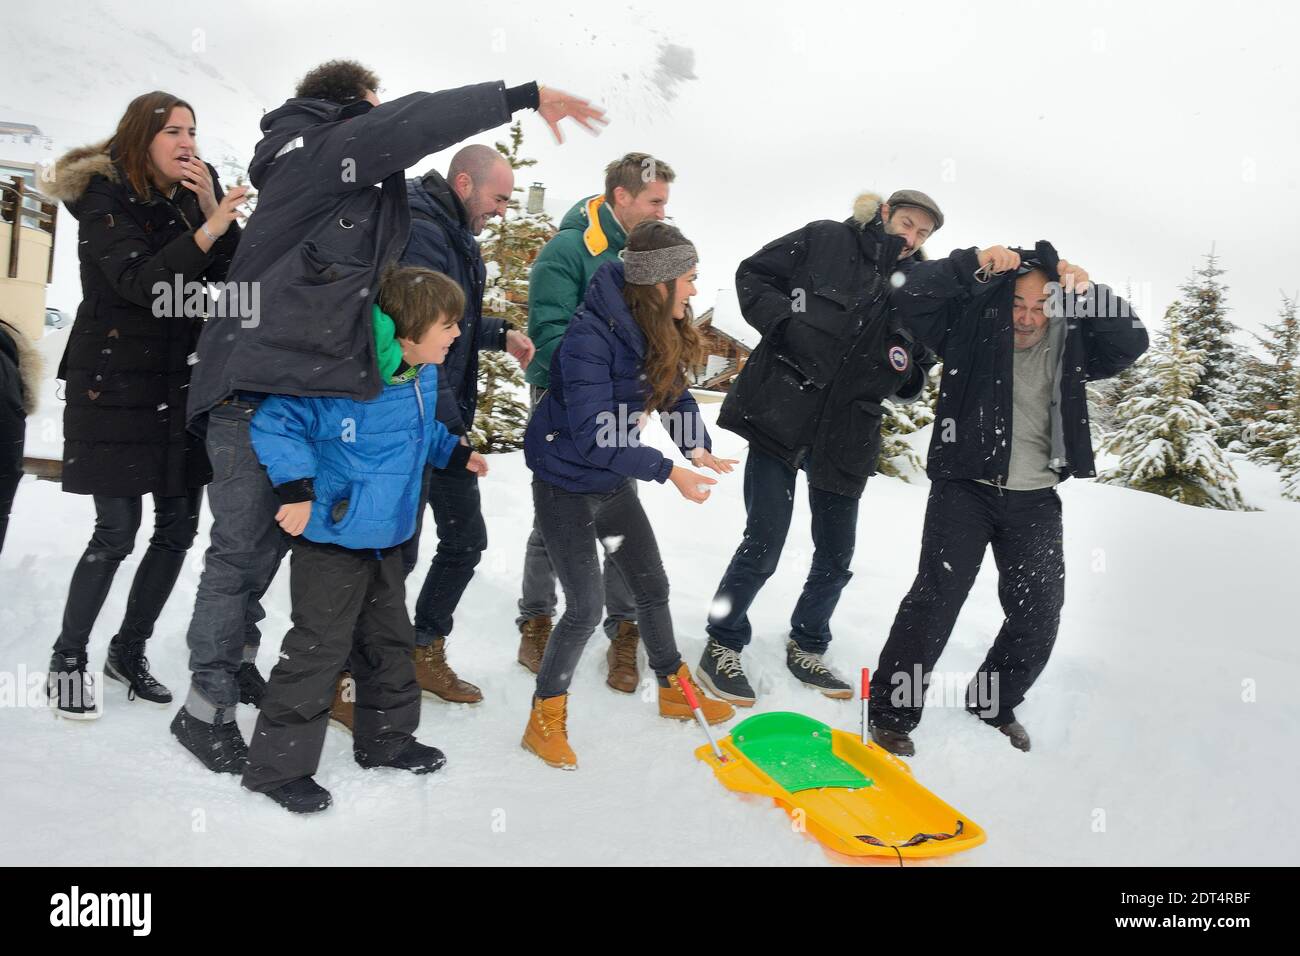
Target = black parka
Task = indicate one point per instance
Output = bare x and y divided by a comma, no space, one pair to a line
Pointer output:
968,322
130,351
810,393
331,216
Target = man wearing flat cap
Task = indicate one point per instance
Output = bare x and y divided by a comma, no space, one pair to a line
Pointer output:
809,399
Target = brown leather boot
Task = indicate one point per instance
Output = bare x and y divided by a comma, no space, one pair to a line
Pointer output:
672,702
533,635
621,658
342,709
435,676
546,734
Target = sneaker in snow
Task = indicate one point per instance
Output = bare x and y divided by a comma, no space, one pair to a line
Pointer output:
812,671
720,672
71,690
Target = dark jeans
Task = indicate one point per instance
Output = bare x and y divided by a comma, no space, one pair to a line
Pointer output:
769,502
337,593
962,518
538,592
462,538
244,551
176,521
573,525
8,488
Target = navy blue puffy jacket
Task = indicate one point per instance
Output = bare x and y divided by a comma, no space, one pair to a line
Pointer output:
579,437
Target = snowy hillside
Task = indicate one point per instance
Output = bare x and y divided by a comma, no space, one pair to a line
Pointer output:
1173,615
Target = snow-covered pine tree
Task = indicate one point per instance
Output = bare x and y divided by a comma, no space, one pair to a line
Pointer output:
1206,328
902,419
1290,461
1165,441
511,245
1273,388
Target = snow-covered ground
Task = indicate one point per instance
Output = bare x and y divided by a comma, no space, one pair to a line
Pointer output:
1164,727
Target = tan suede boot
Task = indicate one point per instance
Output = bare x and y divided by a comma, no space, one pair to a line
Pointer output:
546,734
533,635
621,658
342,709
672,702
435,676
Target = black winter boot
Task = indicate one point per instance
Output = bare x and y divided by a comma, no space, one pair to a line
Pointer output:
126,663
219,746
252,685
303,795
415,757
70,689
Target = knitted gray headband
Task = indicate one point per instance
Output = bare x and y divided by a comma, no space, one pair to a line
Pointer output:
658,265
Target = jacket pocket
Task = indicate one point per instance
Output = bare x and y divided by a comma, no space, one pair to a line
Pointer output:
339,511
780,399
857,447
320,304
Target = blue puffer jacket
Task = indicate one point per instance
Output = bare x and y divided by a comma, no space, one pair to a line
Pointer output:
582,436
360,463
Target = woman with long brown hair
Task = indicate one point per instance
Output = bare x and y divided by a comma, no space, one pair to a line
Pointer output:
623,356
153,223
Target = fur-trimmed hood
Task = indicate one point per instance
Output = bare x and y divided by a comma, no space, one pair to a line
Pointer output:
74,170
30,362
865,208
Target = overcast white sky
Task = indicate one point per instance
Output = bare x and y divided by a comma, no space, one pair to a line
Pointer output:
1130,135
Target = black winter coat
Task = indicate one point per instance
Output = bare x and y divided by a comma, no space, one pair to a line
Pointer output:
19,387
969,324
810,393
441,240
331,215
127,369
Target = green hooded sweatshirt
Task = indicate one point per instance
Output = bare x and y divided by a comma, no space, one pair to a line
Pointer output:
559,277
388,350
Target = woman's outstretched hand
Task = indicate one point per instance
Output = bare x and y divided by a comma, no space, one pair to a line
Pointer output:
702,458
692,485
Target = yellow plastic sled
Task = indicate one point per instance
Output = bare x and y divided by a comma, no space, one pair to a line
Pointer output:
855,798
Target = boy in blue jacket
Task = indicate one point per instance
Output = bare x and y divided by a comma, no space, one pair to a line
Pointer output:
348,475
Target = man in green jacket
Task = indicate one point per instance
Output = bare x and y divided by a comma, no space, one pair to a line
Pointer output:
592,233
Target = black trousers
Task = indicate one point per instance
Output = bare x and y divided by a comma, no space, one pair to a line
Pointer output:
962,518
176,521
337,593
8,488
12,436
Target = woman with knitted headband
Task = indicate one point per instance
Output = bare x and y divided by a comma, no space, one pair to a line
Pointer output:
624,355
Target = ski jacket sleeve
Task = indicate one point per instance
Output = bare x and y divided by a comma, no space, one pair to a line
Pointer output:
763,283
